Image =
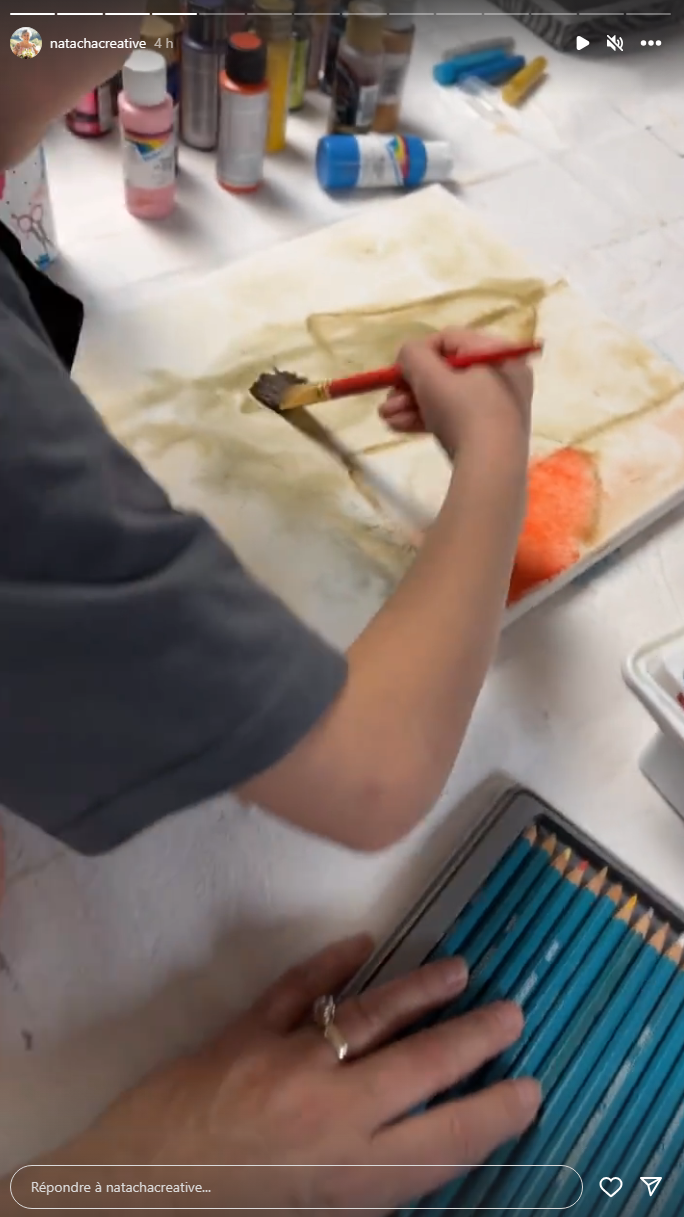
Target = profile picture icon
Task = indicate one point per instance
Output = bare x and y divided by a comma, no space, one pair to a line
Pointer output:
26,42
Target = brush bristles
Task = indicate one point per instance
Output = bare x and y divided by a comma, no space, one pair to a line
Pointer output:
305,395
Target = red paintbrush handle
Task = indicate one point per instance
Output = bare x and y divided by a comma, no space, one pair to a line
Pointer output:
391,377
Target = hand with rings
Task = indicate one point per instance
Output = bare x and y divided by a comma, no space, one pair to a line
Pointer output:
312,1105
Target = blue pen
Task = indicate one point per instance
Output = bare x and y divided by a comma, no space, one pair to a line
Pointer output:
561,994
660,1096
608,1110
450,71
497,882
583,1066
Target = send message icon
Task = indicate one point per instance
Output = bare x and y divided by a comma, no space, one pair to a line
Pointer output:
651,1182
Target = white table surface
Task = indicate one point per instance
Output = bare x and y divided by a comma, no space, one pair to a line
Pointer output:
109,965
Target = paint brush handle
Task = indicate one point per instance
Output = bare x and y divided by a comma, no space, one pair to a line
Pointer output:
391,377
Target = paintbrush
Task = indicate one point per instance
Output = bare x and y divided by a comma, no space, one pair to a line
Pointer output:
282,391
379,493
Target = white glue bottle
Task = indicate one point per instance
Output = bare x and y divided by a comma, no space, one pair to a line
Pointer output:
243,114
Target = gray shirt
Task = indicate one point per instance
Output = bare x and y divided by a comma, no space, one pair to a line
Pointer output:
141,667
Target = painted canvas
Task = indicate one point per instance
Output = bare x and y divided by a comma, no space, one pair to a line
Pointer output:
172,381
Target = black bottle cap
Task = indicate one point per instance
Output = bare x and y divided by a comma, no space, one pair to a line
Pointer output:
246,59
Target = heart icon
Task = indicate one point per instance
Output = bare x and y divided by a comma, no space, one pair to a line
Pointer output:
610,1186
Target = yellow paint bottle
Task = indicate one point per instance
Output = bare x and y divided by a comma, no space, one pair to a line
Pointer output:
273,23
520,86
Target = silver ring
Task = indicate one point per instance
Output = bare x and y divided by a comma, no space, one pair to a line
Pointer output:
324,1010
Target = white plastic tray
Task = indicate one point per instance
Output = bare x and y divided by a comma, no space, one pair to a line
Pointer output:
642,671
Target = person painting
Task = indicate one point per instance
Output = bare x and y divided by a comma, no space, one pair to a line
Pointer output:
25,49
148,670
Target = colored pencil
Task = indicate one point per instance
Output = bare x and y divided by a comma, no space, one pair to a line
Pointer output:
662,1159
608,1111
561,1039
483,962
584,1064
669,1198
563,990
660,1096
508,973
505,913
499,879
536,992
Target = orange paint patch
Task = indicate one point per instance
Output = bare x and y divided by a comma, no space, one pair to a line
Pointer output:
563,495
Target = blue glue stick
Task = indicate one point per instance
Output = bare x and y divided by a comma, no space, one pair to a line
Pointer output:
493,65
376,162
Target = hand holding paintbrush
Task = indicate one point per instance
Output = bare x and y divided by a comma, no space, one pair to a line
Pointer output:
411,405
283,391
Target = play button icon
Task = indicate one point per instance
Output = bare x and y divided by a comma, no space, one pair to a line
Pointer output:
581,42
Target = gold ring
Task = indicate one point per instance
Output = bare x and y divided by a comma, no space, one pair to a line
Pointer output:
324,1017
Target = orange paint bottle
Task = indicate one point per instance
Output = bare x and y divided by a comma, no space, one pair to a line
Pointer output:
243,114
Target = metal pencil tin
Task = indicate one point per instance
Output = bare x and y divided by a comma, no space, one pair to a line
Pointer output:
468,867
199,94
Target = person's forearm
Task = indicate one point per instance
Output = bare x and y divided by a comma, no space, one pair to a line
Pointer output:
379,759
60,75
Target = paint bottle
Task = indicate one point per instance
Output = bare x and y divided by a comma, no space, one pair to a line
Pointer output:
146,115
206,22
336,28
202,51
358,70
376,162
243,114
273,24
398,36
238,14
301,35
319,22
160,35
93,114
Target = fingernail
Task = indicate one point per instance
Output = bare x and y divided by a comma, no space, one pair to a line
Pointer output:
510,1018
529,1095
456,973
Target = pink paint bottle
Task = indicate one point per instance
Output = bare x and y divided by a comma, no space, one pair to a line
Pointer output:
146,117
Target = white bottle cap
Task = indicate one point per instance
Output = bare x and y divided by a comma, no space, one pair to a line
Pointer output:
440,160
144,78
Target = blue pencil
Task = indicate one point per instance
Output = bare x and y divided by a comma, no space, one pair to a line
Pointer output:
662,1108
560,958
661,1160
670,1195
497,882
583,1065
501,946
562,992
556,914
608,1110
507,910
